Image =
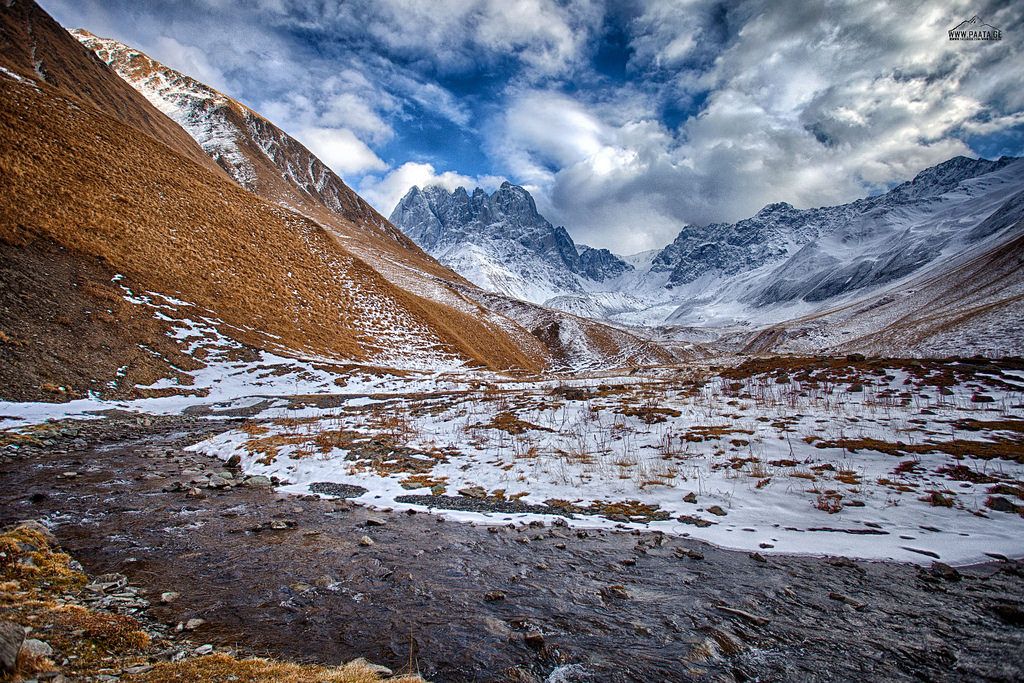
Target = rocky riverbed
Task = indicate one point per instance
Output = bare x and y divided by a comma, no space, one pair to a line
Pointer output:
324,580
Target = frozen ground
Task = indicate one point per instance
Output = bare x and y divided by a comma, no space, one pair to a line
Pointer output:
878,462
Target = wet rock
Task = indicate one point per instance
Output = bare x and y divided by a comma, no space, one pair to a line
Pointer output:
745,615
494,596
690,553
11,637
534,638
944,571
614,592
1010,614
839,597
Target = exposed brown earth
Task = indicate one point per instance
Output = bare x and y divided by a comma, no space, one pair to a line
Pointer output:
65,329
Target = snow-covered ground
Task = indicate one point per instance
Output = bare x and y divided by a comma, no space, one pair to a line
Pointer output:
623,447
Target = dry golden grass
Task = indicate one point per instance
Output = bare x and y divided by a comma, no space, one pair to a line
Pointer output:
959,448
98,187
219,667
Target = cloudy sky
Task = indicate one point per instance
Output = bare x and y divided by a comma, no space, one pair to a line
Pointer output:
626,120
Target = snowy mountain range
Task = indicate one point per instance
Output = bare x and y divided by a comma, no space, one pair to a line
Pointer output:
500,242
779,264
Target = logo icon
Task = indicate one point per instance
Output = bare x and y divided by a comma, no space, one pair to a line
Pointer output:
974,29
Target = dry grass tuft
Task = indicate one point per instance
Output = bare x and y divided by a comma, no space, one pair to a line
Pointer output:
219,667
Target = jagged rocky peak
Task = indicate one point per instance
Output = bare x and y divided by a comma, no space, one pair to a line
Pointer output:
503,222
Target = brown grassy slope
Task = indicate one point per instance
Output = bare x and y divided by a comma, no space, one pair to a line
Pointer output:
81,178
273,164
36,46
279,168
65,329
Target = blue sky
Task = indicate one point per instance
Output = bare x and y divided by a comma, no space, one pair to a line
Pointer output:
625,119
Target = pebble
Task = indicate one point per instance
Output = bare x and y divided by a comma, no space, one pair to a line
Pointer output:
169,597
203,649
193,624
366,541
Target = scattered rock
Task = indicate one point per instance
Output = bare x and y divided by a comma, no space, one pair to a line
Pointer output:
534,638
39,648
11,637
279,524
839,597
375,521
1000,504
695,521
690,553
758,557
494,596
690,497
203,650
716,510
138,669
614,592
258,481
193,624
235,461
366,541
476,492
168,597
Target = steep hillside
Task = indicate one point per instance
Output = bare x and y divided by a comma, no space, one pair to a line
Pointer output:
37,47
972,303
86,180
267,161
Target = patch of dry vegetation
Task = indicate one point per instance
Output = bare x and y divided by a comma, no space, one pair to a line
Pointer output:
223,668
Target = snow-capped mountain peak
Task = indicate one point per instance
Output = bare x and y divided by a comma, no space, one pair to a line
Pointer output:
501,242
